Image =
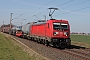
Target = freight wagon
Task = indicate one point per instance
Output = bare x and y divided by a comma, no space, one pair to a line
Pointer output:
26,30
16,31
6,29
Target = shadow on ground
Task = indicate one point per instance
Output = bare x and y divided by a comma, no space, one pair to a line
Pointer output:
76,47
73,47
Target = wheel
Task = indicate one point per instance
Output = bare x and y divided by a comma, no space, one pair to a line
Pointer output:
54,44
46,43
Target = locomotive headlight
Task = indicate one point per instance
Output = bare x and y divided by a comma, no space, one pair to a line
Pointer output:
55,33
66,33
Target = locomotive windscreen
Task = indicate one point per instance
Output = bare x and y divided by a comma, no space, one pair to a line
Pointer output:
58,26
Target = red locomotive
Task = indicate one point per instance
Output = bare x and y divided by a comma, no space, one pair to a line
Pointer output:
52,32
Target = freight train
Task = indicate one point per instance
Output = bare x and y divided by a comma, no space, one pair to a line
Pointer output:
51,32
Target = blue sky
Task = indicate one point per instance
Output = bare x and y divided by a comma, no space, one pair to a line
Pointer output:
77,12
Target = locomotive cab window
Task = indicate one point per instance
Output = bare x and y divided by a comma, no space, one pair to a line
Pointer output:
58,26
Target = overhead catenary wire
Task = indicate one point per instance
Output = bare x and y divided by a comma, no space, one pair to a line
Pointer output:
73,11
46,5
72,6
76,4
42,7
62,4
18,16
38,8
56,6
65,3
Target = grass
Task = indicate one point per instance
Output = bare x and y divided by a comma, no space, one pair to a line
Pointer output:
81,40
9,51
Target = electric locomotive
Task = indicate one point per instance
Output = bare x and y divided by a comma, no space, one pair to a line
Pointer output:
51,32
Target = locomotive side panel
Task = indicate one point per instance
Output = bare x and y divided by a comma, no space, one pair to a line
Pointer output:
38,30
49,30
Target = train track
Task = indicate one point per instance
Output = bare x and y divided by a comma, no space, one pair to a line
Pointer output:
56,53
83,54
79,54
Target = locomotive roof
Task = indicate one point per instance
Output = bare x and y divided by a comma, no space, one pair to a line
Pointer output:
39,23
57,20
53,20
